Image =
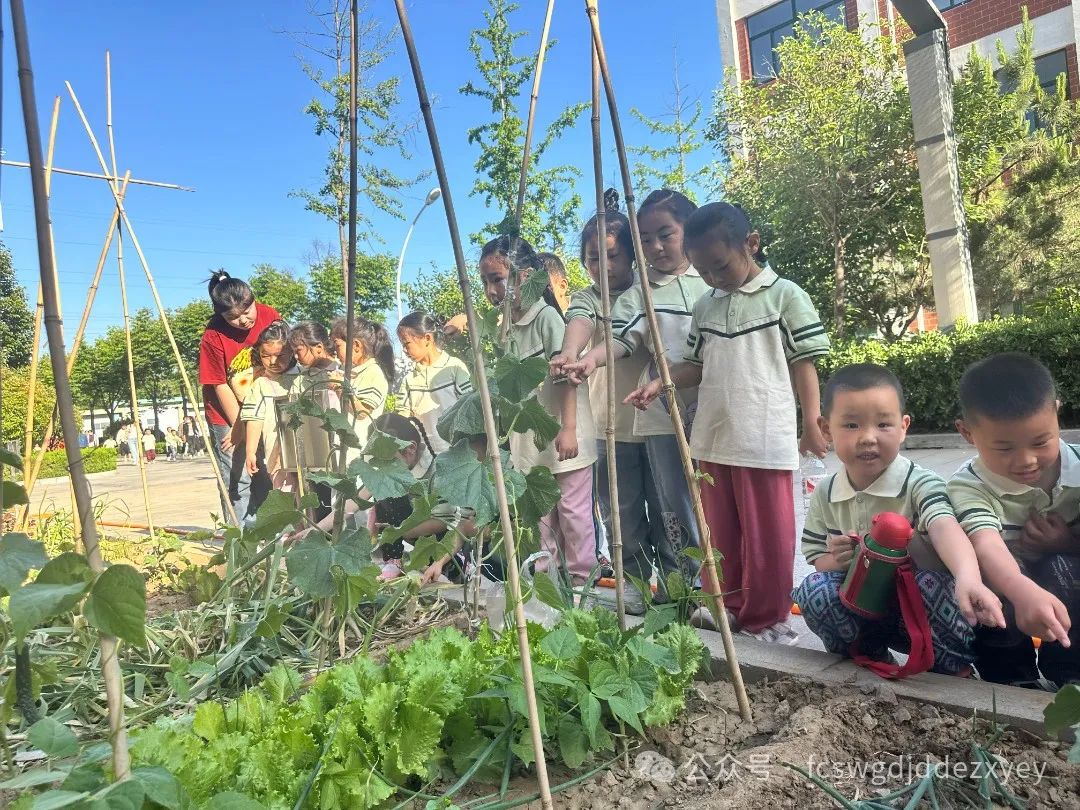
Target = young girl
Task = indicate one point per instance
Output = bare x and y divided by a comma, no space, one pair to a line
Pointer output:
238,320
149,443
372,371
275,371
753,339
675,286
538,332
437,379
638,501
317,379
172,444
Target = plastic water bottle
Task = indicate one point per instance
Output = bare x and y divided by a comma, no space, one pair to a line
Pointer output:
812,469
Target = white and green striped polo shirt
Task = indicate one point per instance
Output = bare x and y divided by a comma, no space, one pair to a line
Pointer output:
427,392
986,500
585,304
539,332
905,488
673,298
746,340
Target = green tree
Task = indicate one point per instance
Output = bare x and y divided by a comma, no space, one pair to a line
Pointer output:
156,375
325,300
16,385
551,204
823,159
16,319
381,130
677,165
280,289
99,377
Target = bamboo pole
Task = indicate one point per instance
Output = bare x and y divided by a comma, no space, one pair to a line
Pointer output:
709,562
609,348
112,178
110,664
523,176
119,199
492,435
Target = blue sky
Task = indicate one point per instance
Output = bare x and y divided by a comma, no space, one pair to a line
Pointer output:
210,95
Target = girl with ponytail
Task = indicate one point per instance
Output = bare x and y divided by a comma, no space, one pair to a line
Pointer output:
372,370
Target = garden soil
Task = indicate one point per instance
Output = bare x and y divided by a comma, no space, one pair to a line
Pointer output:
710,759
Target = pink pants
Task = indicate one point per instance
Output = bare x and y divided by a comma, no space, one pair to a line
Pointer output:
568,531
751,518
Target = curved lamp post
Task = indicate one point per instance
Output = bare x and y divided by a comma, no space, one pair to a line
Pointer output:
431,197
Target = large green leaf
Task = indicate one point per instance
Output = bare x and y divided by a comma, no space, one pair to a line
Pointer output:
532,415
562,644
33,604
462,480
161,787
382,446
18,555
385,478
573,742
311,562
1064,711
10,459
67,569
55,799
277,513
540,496
345,484
117,604
126,795
518,378
418,738
233,801
462,419
12,494
52,737
548,593
532,288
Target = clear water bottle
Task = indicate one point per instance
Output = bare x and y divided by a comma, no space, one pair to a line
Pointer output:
813,472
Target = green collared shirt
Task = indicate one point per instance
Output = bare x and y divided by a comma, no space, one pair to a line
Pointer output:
985,500
906,488
427,392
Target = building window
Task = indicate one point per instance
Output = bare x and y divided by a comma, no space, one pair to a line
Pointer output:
945,5
766,28
1047,67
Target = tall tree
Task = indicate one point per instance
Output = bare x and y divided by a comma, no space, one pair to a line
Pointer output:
381,130
156,375
325,299
100,373
680,164
280,289
16,319
16,385
550,212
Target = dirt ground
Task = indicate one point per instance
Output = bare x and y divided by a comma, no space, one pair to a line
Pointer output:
864,745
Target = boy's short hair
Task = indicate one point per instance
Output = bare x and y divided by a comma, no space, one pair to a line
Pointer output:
859,377
1006,387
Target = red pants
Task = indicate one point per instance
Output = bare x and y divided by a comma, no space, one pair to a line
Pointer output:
751,518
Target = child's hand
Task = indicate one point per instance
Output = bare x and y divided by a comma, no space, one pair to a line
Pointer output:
252,464
557,366
227,442
842,547
455,326
1047,533
566,444
432,573
1041,614
642,397
813,441
979,604
580,371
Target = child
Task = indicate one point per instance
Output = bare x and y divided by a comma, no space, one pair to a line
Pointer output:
560,283
238,320
675,286
437,379
149,444
1019,501
538,332
639,507
275,367
753,340
315,379
172,443
862,415
372,372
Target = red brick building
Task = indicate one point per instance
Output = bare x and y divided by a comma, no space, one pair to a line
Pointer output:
750,30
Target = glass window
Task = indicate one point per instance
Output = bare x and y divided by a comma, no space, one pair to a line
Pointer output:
769,26
1048,67
945,5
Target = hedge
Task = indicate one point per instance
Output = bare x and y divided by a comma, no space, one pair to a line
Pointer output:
930,364
97,459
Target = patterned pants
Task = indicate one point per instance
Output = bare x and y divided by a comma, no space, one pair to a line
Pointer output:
819,599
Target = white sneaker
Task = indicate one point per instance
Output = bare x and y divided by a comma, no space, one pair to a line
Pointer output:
391,569
702,618
779,633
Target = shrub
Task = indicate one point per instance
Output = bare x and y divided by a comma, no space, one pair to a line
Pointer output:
96,459
930,364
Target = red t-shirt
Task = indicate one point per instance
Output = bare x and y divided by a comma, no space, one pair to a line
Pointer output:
220,344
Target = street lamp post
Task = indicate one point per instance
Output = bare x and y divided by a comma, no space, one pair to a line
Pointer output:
431,197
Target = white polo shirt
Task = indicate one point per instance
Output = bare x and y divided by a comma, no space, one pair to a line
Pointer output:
427,392
746,340
673,298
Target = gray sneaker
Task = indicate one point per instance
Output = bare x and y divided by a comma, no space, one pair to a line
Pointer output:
633,604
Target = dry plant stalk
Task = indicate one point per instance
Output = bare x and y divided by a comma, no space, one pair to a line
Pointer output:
485,403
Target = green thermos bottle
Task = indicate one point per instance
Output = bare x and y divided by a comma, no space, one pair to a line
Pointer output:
869,588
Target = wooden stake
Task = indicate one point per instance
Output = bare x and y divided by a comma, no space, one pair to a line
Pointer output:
609,348
709,561
119,199
112,178
490,431
523,177
110,665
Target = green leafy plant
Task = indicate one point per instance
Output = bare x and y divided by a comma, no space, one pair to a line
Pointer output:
95,460
1064,713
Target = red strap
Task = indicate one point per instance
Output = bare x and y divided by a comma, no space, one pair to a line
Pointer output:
913,614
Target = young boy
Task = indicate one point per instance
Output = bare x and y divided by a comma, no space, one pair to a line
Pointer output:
862,416
1019,501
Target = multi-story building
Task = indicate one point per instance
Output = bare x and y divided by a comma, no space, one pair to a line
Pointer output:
751,29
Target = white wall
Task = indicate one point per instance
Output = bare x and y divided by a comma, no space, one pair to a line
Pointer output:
1053,32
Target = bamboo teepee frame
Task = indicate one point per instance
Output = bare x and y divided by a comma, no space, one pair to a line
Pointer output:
485,403
110,664
711,579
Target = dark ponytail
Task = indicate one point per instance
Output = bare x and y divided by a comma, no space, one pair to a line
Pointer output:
615,225
406,428
375,340
674,202
421,323
275,332
518,255
229,294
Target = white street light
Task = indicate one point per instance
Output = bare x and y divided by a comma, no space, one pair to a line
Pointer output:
431,197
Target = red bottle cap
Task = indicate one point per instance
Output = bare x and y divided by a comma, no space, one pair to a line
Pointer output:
891,530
